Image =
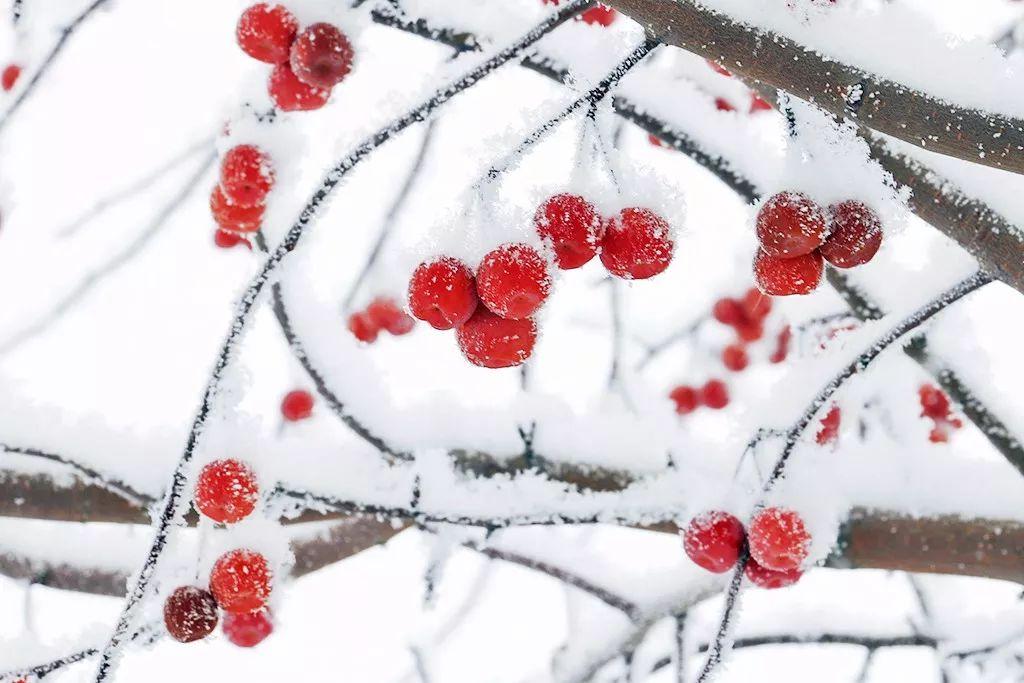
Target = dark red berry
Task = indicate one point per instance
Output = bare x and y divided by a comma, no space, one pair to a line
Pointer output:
829,432
297,405
225,239
685,398
722,104
9,77
788,276
790,224
291,94
362,327
386,314
246,175
602,15
491,341
570,223
778,539
728,311
240,581
637,244
443,293
782,345
513,281
321,56
714,394
266,32
190,614
248,630
763,577
749,330
226,491
735,358
713,540
234,217
855,234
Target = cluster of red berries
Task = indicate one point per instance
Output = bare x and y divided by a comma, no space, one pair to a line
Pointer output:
240,581
380,314
602,15
797,236
238,201
777,540
9,77
307,63
936,406
513,281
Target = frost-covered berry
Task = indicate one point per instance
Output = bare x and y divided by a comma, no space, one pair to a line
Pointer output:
686,399
728,311
246,175
713,540
763,577
513,281
734,357
291,94
386,314
829,432
234,217
602,15
297,405
935,404
788,276
491,341
442,293
9,77
637,244
226,239
714,394
190,614
570,223
362,327
790,224
266,32
778,539
855,234
226,491
248,630
240,581
321,56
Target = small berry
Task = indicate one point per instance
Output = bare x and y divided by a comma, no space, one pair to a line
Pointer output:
513,281
363,328
291,94
763,577
9,77
749,331
722,104
388,315
734,357
240,581
637,244
829,432
756,305
491,341
443,293
601,15
934,402
855,235
655,140
297,405
685,398
266,32
246,175
234,217
728,311
570,223
714,394
781,345
226,491
321,56
248,630
757,104
225,239
713,540
778,539
790,224
190,614
788,276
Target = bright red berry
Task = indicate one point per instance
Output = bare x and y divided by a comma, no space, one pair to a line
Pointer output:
790,224
637,244
266,32
934,402
226,491
728,311
570,223
722,104
513,281
756,305
713,540
9,77
757,104
491,341
297,405
829,432
734,357
855,234
190,614
291,94
321,56
782,345
240,581
386,314
685,398
363,328
714,394
763,577
234,217
248,630
788,276
778,539
246,175
443,293
225,239
601,15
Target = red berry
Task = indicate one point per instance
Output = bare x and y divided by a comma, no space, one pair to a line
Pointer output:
934,402
829,432
685,398
513,281
749,330
756,305
225,239
9,77
321,56
714,394
757,104
291,94
363,328
655,140
443,293
637,244
266,32
491,341
226,491
790,224
787,276
728,311
718,68
855,234
781,345
571,224
240,581
735,358
722,104
190,614
234,217
713,540
601,15
246,175
778,539
297,405
248,630
386,314
770,578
